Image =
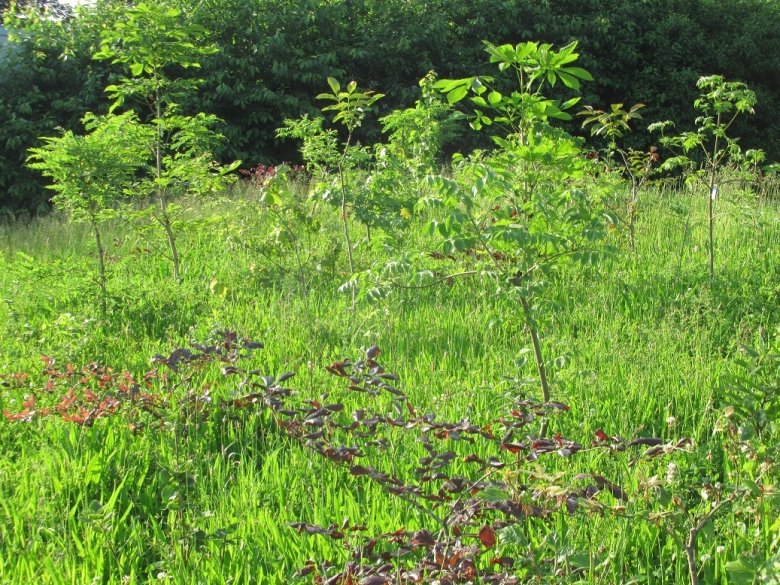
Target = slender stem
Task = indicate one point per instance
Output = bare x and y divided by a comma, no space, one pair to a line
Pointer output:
159,139
295,248
422,509
162,196
711,227
711,204
693,534
344,220
101,270
538,357
632,211
166,223
437,281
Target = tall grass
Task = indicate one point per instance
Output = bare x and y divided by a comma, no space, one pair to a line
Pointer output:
637,344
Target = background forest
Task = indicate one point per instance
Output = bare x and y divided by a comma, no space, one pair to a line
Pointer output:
274,55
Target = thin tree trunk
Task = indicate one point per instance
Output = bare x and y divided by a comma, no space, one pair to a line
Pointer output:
344,220
165,219
690,555
632,212
711,203
539,358
166,223
345,223
101,271
711,224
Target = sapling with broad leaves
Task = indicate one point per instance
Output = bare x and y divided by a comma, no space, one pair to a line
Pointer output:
415,135
414,138
153,43
636,164
325,155
281,225
92,173
322,150
720,102
529,207
520,213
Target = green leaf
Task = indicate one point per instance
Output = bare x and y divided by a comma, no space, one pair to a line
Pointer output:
447,85
513,534
457,94
741,571
493,494
579,560
335,86
477,86
570,102
569,80
579,72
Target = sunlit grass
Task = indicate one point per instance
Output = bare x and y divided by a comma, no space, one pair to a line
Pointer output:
643,339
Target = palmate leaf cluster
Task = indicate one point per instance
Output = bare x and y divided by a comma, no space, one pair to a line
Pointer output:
531,204
643,52
712,144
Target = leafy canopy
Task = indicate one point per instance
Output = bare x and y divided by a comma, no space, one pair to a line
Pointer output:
91,172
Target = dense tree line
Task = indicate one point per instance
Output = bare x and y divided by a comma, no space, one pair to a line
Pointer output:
275,55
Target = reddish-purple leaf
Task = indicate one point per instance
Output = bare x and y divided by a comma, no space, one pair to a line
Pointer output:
505,562
422,538
309,568
487,536
285,376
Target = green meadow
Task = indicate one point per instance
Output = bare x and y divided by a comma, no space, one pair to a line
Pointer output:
637,345
461,343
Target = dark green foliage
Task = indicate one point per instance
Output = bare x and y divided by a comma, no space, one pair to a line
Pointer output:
653,52
275,54
47,80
